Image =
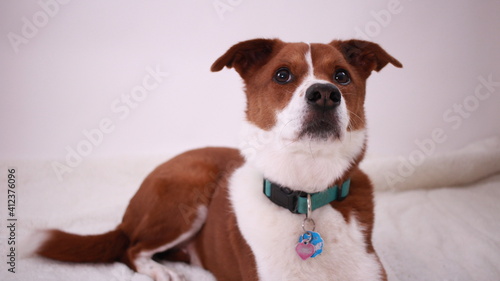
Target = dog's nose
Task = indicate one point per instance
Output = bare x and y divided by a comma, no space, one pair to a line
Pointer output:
323,96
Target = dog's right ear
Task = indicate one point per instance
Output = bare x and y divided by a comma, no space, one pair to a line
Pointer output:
247,55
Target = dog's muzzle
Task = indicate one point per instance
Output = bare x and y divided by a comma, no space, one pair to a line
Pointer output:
322,117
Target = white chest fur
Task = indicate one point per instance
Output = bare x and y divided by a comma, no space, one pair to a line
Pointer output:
272,233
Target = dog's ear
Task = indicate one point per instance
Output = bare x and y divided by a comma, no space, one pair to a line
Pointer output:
365,55
247,55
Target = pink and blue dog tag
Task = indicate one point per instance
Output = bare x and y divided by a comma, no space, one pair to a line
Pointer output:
310,245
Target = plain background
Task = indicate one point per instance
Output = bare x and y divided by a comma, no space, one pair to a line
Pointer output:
85,55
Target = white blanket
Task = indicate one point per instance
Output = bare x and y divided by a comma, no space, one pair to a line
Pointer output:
440,221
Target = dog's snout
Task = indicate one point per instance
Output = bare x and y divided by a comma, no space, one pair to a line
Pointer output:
323,96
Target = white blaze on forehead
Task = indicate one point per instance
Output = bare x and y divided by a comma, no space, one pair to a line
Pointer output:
309,61
310,73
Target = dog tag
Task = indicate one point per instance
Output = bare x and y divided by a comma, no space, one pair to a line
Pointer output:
305,250
310,245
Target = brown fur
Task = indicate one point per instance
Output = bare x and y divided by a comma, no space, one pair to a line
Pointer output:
104,248
172,192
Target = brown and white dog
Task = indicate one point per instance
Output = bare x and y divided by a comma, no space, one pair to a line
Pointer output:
305,132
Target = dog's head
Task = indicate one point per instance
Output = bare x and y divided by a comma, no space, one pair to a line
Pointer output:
304,103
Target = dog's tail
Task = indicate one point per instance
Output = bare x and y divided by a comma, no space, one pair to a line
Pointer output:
103,248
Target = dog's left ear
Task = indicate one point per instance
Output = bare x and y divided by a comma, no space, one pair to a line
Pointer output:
365,55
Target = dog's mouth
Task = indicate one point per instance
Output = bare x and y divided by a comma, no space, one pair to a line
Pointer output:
321,128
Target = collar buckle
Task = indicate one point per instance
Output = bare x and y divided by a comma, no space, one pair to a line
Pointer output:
282,196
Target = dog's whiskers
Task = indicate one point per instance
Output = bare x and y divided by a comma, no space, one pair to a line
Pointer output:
356,118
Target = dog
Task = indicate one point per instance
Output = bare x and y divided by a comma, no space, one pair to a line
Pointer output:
290,204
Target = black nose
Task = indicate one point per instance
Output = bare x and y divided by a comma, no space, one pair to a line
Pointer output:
323,96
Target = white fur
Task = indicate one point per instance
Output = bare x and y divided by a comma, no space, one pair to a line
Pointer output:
272,233
310,165
159,272
307,165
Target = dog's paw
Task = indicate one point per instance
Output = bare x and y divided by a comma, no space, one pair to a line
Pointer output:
163,273
158,271
190,272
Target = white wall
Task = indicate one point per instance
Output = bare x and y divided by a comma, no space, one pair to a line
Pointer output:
65,68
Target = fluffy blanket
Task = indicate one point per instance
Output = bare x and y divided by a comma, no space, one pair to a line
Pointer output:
436,219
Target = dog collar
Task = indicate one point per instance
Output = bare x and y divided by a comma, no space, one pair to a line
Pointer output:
296,201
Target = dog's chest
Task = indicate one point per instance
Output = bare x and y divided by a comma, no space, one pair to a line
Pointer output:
272,233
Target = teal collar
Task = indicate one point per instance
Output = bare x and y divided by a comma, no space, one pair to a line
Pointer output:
296,201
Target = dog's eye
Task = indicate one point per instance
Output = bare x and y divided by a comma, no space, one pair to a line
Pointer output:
342,77
283,76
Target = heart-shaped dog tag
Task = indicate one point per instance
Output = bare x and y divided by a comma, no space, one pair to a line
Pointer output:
305,250
310,245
